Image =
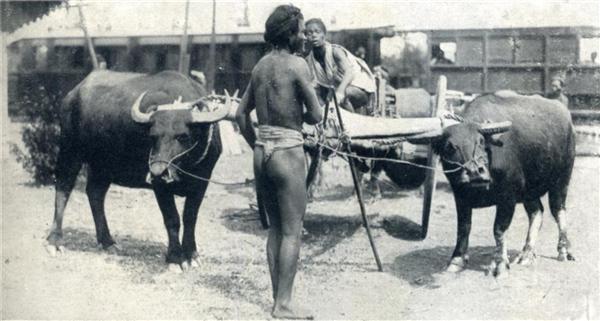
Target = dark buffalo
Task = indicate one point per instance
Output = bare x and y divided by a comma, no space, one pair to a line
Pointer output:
120,125
495,163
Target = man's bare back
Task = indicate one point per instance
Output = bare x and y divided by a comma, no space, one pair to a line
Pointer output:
279,84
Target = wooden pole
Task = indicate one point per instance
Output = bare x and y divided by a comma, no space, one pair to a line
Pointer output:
87,37
358,190
184,61
432,158
4,76
211,71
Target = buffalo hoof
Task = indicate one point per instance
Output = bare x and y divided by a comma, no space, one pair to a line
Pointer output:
457,264
175,268
54,250
499,269
194,262
565,256
113,249
527,257
190,264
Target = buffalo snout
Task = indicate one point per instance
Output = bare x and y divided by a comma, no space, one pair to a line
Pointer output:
161,171
475,173
157,169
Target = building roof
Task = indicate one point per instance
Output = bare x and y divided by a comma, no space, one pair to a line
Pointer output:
164,18
14,14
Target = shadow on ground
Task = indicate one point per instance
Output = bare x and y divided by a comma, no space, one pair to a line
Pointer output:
134,254
324,232
321,232
237,287
245,220
426,267
402,228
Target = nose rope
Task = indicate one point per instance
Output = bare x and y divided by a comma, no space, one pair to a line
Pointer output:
464,165
151,161
473,159
170,162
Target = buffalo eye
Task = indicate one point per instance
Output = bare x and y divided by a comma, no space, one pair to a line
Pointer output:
183,138
449,149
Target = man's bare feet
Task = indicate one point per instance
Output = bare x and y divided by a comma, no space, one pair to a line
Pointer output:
292,313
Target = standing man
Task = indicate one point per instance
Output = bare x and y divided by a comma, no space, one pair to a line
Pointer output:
334,66
556,86
280,90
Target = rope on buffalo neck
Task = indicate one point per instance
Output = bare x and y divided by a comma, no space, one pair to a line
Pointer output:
391,160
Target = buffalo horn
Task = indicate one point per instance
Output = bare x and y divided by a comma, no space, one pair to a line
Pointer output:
494,128
233,106
137,114
212,116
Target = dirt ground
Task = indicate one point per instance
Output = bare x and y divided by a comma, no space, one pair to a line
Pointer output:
337,277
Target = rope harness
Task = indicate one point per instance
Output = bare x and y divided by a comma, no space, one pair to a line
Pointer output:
169,163
384,159
479,160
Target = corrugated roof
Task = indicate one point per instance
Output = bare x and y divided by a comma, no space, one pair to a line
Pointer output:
152,18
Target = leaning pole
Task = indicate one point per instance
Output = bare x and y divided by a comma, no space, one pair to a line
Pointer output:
184,57
88,39
357,189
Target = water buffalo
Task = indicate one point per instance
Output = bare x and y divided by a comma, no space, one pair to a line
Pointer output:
124,127
509,149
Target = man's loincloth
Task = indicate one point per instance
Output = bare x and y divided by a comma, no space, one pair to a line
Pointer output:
274,138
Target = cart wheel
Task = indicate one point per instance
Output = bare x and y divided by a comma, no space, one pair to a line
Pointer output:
432,159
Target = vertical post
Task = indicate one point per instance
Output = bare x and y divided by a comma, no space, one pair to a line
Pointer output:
183,49
484,78
211,71
381,103
4,76
432,159
428,72
546,87
87,37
